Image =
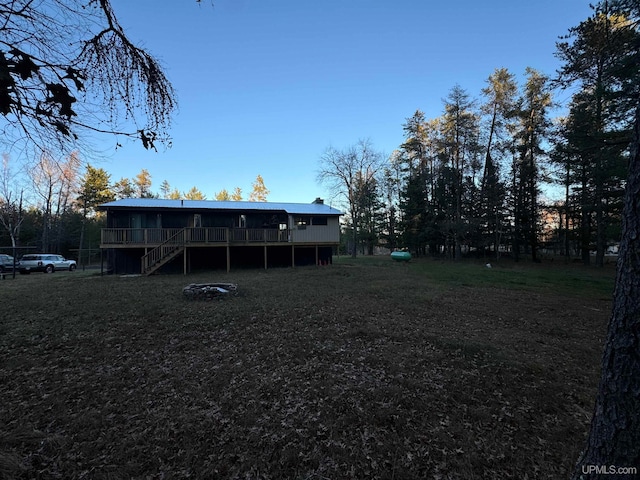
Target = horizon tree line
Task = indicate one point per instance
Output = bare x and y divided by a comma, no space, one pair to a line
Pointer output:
52,205
472,179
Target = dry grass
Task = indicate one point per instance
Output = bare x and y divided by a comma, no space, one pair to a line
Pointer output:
365,369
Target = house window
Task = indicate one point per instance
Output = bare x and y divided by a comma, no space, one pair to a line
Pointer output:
242,221
282,226
319,221
197,220
302,222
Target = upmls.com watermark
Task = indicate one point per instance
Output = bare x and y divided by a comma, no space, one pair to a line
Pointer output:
608,470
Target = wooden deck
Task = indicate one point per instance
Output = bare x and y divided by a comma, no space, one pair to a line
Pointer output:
193,237
163,245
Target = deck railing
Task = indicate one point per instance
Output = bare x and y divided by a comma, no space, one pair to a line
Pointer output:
156,255
201,235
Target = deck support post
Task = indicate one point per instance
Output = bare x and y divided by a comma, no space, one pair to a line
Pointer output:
184,262
293,256
228,259
142,265
265,257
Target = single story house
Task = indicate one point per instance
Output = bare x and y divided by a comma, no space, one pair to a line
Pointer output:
147,235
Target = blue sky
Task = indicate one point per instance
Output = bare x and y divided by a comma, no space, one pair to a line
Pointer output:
264,87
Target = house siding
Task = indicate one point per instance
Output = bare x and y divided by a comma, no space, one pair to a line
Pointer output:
329,233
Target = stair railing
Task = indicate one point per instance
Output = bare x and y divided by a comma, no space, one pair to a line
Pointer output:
154,258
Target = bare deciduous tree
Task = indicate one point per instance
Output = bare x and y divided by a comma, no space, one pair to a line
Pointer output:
11,214
54,184
67,68
347,173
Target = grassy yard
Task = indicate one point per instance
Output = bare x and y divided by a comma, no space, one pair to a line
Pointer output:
363,369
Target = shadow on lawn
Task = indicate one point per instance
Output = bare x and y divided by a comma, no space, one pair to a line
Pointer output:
362,369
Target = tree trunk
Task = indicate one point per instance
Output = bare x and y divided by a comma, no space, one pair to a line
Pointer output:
614,437
533,219
81,260
567,249
585,220
517,212
354,252
601,241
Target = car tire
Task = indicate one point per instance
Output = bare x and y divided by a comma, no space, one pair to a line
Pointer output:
48,269
72,268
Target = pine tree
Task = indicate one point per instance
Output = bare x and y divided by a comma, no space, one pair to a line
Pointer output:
596,61
94,190
533,129
165,189
460,133
499,107
369,209
614,434
416,195
123,188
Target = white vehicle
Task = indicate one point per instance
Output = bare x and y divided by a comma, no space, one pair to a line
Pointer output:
6,262
45,262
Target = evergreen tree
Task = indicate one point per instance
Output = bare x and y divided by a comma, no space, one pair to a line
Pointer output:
596,60
390,190
165,189
532,131
415,195
94,190
460,144
370,212
614,434
415,210
499,108
123,188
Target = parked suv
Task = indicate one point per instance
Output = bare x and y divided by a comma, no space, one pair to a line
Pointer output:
45,262
6,263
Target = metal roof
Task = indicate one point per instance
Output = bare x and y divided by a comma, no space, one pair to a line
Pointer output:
293,208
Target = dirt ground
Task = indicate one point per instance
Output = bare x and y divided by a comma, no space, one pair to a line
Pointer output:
358,370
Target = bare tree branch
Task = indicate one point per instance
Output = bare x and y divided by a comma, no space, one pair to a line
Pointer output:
67,68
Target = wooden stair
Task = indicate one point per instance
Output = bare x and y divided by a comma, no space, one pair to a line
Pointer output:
163,253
